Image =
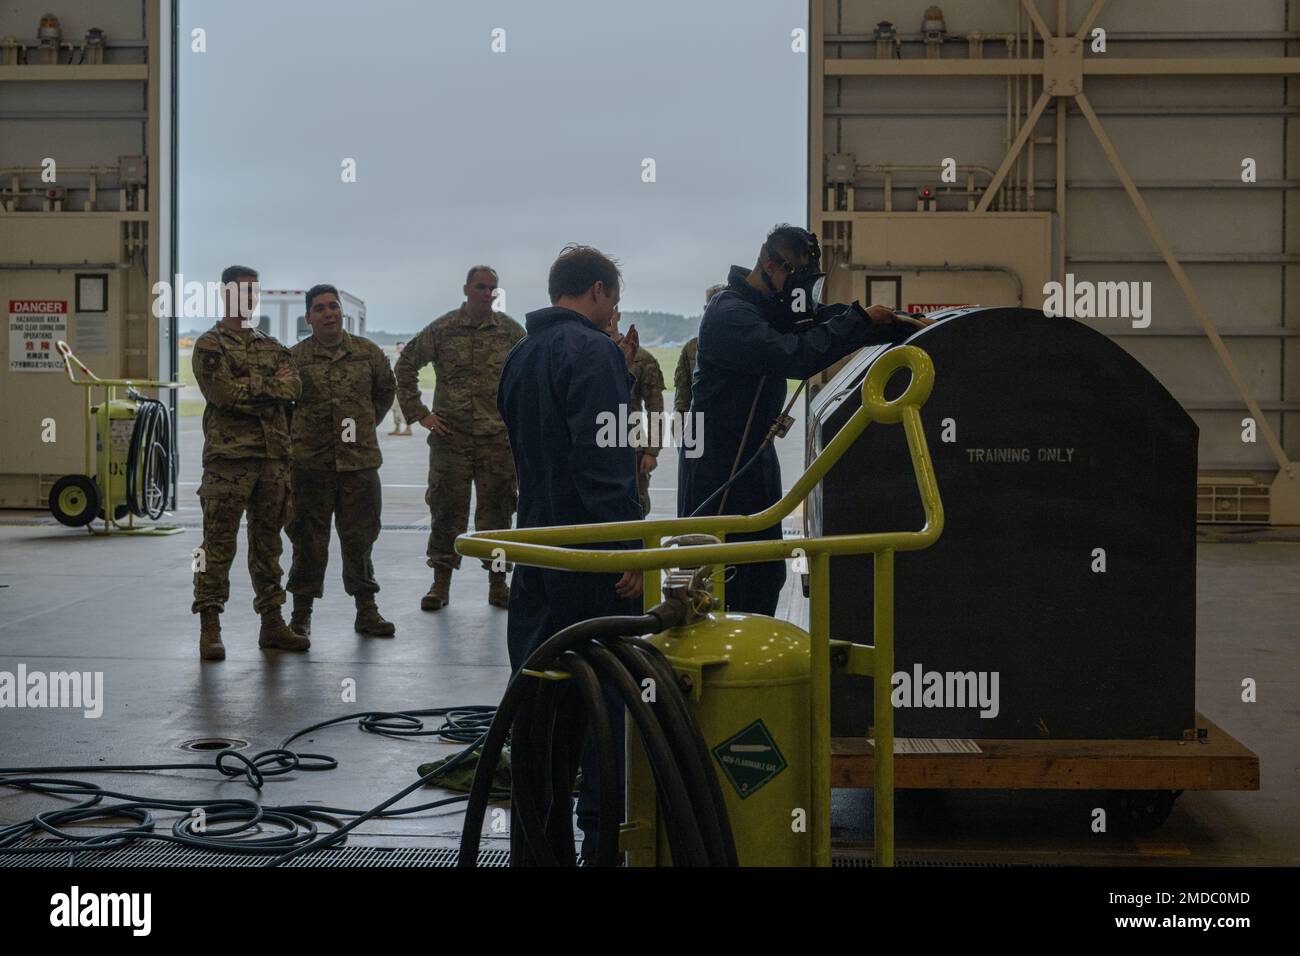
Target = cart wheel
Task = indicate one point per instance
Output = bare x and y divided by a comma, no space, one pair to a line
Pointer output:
74,500
1140,811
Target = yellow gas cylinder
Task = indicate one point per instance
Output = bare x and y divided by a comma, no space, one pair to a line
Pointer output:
747,677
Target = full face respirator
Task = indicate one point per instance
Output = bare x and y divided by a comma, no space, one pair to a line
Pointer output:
795,305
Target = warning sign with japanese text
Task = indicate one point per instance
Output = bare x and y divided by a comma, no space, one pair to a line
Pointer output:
35,325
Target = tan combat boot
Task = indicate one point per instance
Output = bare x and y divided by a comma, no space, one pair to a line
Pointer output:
498,589
439,595
210,646
369,621
300,622
275,634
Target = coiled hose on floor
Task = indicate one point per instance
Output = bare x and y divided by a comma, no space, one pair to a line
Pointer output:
279,833
548,720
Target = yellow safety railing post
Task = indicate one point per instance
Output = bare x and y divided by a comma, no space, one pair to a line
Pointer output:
882,705
819,630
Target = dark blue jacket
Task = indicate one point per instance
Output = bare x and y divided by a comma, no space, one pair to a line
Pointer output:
738,346
556,383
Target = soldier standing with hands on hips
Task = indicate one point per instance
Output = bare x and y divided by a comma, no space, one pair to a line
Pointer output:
249,382
467,439
347,389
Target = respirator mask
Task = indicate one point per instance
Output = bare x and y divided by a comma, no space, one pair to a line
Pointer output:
795,305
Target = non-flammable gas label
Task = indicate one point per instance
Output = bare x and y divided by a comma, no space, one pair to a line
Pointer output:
750,758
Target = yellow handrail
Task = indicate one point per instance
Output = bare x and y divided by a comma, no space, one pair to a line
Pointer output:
96,382
544,547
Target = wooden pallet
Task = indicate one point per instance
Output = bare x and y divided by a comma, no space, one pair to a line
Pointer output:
1215,762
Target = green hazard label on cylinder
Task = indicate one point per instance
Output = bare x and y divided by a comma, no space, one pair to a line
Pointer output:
750,758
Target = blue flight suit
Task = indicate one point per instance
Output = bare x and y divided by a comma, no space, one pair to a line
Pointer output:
740,347
555,385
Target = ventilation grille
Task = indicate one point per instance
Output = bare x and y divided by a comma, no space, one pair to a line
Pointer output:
1231,501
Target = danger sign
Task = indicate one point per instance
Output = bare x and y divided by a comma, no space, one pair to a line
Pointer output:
925,308
35,325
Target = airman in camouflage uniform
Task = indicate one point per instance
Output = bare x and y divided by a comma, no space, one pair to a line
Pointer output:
400,425
347,389
467,439
249,382
647,397
684,374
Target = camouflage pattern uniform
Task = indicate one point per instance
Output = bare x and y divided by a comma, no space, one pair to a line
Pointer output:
683,375
467,356
647,397
245,460
346,392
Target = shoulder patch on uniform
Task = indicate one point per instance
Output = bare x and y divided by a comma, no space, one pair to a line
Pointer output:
211,359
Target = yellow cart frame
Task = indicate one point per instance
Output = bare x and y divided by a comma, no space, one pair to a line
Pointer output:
545,547
97,464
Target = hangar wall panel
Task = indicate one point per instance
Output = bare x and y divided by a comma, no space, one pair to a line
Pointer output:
93,120
1183,139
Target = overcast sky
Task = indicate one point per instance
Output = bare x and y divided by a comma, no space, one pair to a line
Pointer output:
464,155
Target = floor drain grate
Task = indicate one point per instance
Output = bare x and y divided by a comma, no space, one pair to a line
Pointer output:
205,745
866,861
56,853
62,854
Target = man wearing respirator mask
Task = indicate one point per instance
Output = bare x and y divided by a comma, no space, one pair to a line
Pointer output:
765,327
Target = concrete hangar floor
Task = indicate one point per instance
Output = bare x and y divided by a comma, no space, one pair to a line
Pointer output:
122,606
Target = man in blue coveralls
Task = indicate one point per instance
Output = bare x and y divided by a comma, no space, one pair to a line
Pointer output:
765,327
557,384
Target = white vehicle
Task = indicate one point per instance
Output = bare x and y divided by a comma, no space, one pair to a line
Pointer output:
281,314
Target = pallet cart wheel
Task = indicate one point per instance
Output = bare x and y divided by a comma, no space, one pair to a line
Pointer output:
74,500
1140,811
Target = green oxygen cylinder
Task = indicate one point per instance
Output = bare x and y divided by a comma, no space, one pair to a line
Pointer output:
748,683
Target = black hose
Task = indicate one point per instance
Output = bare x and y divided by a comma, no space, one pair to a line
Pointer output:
740,448
150,461
607,747
645,661
294,829
520,688
548,717
726,485
677,812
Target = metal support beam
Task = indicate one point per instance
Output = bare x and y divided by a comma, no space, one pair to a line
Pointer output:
1190,66
878,67
1061,105
1034,15
1091,17
1093,66
1025,132
1180,276
816,113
